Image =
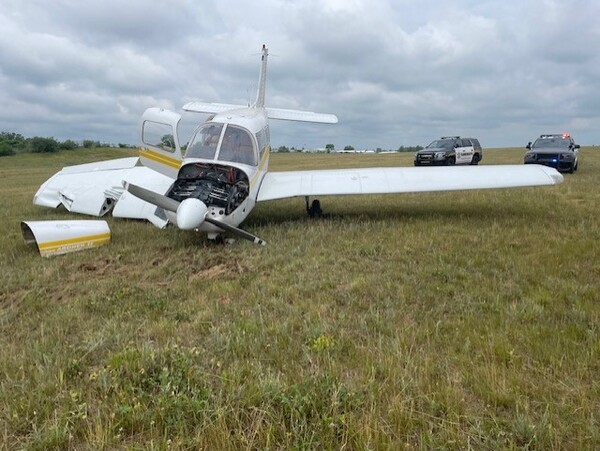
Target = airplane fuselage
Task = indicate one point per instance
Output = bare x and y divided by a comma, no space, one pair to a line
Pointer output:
224,164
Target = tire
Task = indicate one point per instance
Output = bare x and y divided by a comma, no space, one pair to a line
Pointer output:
450,161
315,209
576,165
475,159
571,168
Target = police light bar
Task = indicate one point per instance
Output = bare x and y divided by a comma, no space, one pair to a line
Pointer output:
563,136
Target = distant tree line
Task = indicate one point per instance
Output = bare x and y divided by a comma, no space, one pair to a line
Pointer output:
409,148
331,148
14,143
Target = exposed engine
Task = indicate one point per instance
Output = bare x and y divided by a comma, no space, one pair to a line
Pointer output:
217,186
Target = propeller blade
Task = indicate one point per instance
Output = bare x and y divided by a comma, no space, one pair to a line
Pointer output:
152,197
172,205
236,231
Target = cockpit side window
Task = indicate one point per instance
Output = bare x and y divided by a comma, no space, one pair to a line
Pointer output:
205,141
262,137
237,146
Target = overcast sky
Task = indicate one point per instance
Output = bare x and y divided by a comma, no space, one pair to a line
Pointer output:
395,72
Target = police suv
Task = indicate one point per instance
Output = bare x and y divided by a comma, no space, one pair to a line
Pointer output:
557,151
450,150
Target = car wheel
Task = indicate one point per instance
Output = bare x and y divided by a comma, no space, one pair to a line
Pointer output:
475,159
571,168
450,161
576,165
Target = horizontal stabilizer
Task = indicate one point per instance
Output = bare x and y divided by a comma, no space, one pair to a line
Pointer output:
301,116
210,108
272,113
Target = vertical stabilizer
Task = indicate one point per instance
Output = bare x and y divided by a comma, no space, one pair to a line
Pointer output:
262,79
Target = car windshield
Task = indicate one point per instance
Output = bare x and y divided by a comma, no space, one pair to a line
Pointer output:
559,143
441,144
204,143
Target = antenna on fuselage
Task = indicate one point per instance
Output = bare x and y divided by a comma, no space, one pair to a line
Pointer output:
262,79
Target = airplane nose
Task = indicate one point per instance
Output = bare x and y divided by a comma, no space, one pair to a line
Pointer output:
191,213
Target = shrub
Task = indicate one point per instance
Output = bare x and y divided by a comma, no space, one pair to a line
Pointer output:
6,150
38,144
68,145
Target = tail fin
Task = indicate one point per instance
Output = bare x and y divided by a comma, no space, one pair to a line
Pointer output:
272,113
262,80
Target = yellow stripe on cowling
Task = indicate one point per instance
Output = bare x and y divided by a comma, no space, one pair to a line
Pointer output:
73,244
160,158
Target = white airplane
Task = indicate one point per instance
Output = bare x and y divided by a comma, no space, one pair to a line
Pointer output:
215,184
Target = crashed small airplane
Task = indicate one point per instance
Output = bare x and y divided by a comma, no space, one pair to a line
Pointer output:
215,184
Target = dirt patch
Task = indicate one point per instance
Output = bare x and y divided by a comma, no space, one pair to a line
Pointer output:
219,271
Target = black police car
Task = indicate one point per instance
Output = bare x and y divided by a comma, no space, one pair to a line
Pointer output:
557,151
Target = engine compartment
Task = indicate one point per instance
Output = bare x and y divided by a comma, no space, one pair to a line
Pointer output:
216,185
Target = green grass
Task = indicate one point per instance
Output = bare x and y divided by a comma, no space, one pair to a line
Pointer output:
442,320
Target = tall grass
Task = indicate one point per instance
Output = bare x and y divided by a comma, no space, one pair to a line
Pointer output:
442,320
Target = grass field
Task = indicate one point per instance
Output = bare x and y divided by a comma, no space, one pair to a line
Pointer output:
443,320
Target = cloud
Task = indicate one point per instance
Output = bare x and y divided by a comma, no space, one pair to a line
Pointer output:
396,73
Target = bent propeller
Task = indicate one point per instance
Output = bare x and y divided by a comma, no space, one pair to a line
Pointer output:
190,212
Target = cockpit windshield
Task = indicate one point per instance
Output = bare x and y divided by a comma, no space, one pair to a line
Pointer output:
205,141
236,145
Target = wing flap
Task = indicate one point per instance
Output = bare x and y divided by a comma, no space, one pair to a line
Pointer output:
279,185
96,188
49,194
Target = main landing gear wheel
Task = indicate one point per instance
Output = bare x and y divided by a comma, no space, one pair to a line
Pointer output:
314,211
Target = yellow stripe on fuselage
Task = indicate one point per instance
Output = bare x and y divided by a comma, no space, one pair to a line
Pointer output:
160,158
261,165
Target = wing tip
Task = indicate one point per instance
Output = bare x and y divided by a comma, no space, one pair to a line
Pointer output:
556,177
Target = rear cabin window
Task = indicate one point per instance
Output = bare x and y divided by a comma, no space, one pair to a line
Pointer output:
263,140
158,135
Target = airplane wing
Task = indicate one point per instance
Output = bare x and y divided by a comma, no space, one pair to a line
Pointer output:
280,185
96,188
